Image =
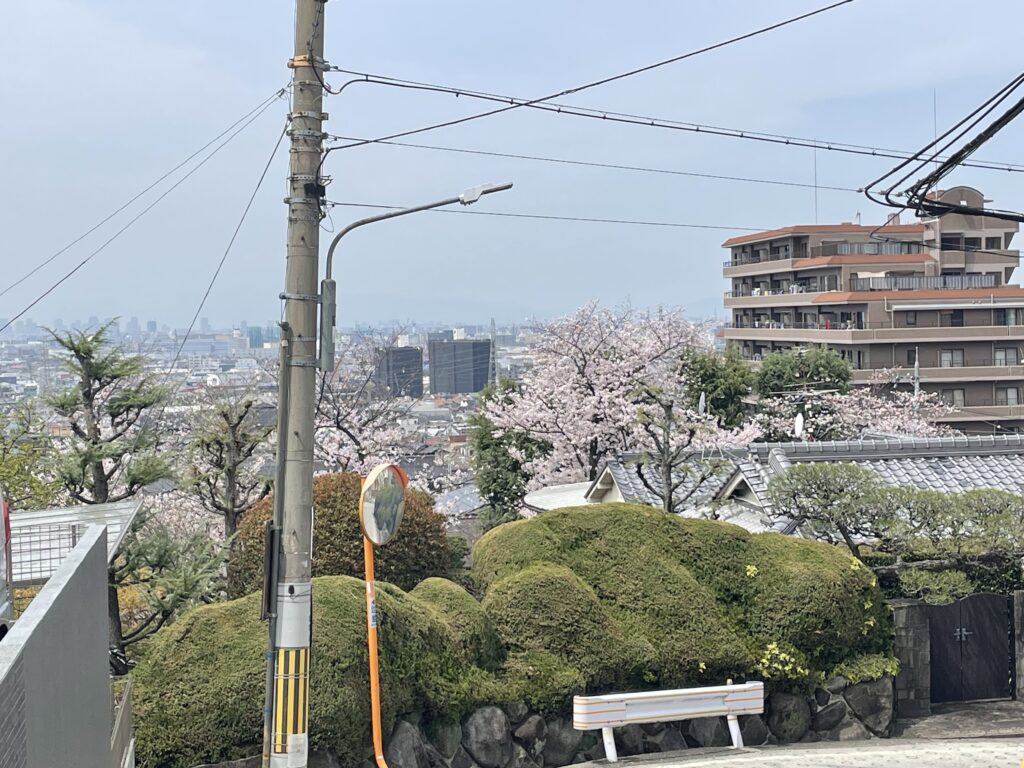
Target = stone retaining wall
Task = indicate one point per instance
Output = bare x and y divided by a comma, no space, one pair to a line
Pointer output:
511,736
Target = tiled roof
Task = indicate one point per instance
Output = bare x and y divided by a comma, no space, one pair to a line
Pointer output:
951,464
824,229
626,472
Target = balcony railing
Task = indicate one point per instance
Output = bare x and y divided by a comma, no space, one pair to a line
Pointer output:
912,283
867,249
742,260
857,325
796,288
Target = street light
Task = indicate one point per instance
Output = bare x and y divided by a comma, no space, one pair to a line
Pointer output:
329,288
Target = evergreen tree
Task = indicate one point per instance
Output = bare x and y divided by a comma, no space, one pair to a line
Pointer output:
499,461
112,453
225,439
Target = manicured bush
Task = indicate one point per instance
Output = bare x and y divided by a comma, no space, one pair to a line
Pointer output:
477,639
199,688
870,666
698,600
576,600
419,551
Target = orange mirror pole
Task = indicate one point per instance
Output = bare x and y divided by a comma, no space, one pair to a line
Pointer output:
371,637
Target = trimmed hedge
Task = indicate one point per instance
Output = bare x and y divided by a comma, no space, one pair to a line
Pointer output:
420,552
696,600
199,687
477,640
576,600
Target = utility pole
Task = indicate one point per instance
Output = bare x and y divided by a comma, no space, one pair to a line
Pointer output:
288,597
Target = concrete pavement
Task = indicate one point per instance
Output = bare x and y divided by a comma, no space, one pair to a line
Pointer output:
876,753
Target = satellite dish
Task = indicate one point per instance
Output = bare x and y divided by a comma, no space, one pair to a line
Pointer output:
702,406
798,426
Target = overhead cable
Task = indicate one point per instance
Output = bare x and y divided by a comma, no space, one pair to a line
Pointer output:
135,218
627,118
131,200
549,217
516,104
612,166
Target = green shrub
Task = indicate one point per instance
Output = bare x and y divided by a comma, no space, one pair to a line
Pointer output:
199,688
545,682
815,598
420,551
576,600
870,666
698,600
473,628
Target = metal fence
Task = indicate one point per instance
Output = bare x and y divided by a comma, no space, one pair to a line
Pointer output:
38,550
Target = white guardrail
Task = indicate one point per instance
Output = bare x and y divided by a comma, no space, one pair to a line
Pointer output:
613,710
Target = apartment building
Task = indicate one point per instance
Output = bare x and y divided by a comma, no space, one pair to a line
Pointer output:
937,290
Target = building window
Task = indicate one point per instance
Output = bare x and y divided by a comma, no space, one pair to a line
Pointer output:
956,318
972,243
951,358
953,397
911,318
952,241
1007,395
1004,316
994,243
911,357
1006,356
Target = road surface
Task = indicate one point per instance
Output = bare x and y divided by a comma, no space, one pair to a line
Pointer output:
880,753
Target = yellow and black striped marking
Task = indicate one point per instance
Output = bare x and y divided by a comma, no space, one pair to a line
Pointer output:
291,694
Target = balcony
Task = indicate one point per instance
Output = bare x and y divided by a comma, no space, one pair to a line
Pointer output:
922,282
859,332
984,370
984,410
794,295
867,249
756,266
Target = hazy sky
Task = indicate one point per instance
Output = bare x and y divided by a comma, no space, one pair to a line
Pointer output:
101,98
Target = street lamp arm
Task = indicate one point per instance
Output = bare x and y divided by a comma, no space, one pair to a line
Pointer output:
380,217
468,197
328,287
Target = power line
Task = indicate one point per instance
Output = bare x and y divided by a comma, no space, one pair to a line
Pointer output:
604,81
227,250
645,121
548,217
134,219
114,213
209,287
613,166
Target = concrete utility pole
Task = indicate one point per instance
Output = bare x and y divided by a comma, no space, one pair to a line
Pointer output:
287,598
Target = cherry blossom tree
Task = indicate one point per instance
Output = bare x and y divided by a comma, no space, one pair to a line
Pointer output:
683,445
358,424
582,394
880,408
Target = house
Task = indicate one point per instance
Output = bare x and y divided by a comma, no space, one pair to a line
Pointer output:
738,493
716,496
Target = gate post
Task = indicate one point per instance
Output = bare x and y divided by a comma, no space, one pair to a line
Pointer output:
1018,643
913,649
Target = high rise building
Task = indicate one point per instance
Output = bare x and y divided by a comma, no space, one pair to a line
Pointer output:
448,335
400,372
255,336
151,326
936,291
459,367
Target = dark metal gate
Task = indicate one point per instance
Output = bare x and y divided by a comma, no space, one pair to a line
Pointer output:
971,648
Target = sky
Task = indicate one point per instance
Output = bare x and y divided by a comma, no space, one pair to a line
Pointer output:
103,97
